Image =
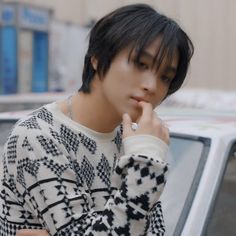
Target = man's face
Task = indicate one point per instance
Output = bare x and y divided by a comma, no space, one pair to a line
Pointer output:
127,82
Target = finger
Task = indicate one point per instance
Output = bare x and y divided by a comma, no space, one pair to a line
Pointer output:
147,112
166,136
127,125
166,133
32,232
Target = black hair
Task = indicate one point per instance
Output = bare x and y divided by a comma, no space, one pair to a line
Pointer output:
136,26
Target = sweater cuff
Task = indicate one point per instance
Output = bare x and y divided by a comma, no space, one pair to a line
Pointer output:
147,145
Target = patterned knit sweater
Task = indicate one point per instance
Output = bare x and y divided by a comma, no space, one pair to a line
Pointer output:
70,180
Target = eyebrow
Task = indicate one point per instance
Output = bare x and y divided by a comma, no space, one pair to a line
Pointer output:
170,69
167,69
147,54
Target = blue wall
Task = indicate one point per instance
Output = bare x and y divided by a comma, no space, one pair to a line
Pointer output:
8,60
40,62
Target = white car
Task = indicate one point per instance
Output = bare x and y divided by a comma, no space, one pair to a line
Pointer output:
13,102
200,194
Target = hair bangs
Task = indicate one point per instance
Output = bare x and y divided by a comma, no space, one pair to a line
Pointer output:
167,48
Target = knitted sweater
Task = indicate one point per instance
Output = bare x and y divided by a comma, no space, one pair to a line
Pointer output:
71,180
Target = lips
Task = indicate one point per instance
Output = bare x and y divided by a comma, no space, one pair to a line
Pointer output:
139,99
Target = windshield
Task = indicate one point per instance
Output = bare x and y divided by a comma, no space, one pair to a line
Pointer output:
186,158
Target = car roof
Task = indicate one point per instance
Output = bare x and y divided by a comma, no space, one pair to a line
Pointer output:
28,98
199,122
203,98
14,115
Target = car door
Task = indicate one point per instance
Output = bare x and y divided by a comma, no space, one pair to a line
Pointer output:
222,218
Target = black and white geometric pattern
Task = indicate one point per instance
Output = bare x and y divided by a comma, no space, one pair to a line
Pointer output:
7,228
156,221
30,166
70,138
26,215
30,123
104,171
59,179
45,115
20,177
53,166
88,172
6,209
48,145
118,139
56,136
60,139
78,173
11,148
27,145
88,143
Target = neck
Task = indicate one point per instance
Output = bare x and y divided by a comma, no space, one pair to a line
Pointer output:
91,111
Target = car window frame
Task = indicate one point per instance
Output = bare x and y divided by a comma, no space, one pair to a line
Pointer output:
206,141
232,144
11,120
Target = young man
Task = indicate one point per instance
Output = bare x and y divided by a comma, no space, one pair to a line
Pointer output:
70,167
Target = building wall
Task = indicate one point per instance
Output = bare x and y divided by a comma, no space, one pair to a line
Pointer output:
210,24
68,11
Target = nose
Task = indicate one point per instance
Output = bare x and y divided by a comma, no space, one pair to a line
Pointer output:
149,83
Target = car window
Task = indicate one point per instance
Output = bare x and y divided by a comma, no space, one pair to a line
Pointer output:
186,157
222,221
5,129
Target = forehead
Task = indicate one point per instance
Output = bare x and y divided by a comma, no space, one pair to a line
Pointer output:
154,46
159,52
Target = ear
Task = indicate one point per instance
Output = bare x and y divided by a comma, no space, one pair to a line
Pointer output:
94,62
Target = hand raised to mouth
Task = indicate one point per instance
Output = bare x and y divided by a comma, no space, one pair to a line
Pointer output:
148,124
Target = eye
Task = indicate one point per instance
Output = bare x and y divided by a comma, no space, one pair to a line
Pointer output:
141,65
166,79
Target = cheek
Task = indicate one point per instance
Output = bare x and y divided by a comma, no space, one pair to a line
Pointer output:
161,94
123,74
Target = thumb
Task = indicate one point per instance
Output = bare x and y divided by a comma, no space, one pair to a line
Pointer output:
127,125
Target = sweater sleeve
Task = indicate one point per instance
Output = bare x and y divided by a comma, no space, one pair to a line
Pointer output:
143,172
50,185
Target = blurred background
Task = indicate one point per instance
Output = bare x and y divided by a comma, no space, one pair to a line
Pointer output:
42,46
43,42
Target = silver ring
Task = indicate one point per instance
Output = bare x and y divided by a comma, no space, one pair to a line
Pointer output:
134,126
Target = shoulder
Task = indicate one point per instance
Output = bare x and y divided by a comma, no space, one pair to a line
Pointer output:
34,137
37,120
38,123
